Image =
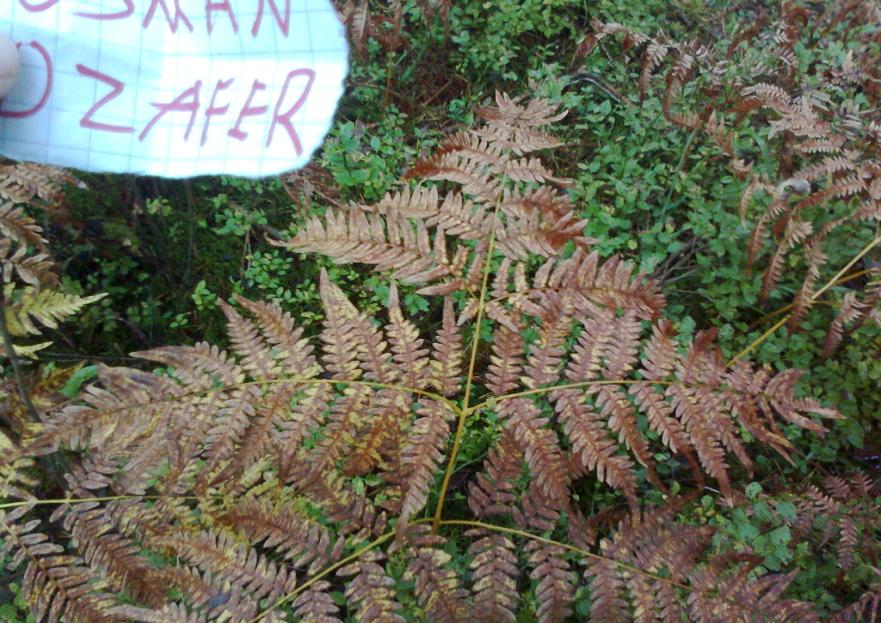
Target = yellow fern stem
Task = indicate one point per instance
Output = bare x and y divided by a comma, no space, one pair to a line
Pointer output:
469,382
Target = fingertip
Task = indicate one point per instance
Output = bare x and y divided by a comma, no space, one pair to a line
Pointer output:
9,65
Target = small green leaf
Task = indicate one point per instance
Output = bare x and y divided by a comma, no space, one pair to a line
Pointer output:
753,489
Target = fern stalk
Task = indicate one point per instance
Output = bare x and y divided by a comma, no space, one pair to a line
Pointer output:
16,364
546,390
469,379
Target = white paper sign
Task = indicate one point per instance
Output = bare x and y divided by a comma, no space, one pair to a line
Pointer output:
172,87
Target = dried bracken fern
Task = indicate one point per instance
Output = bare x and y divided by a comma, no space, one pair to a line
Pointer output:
273,477
846,512
821,121
23,182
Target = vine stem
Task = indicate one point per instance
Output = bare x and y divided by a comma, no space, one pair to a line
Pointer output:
469,379
835,280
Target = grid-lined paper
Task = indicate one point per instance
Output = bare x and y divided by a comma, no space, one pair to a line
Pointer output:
156,66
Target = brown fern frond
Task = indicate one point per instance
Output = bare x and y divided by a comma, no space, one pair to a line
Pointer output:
494,565
541,447
866,608
412,202
647,540
591,286
779,396
315,605
593,447
16,225
422,454
407,347
555,581
851,309
472,147
244,468
22,182
447,355
198,367
545,355
460,217
492,491
213,598
847,543
340,353
548,201
396,234
796,233
731,597
532,170
347,415
508,111
379,437
172,613
375,361
804,298
34,269
691,411
286,339
506,362
372,590
229,561
247,344
437,586
395,243
475,177
513,127
617,410
607,591
277,526
654,54
534,234
118,557
55,585
129,405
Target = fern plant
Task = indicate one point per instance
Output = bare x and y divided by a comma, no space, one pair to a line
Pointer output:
279,481
847,512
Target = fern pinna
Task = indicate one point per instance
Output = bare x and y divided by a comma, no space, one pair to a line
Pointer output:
287,480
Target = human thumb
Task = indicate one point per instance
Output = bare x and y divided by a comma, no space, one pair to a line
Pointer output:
9,64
